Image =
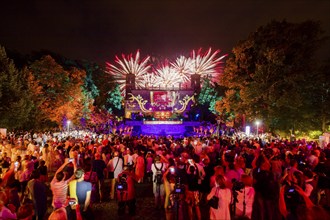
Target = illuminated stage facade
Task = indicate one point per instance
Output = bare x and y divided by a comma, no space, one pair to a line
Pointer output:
160,111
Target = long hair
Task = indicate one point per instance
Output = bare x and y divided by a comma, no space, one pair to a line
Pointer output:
220,180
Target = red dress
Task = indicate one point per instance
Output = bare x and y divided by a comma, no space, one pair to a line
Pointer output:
139,168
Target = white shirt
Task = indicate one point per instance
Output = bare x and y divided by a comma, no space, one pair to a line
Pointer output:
112,164
157,165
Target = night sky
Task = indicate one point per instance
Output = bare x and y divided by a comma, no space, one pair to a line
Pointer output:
97,30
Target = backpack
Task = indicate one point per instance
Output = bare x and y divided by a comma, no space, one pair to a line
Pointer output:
159,175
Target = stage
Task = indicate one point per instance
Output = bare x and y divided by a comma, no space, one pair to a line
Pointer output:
163,128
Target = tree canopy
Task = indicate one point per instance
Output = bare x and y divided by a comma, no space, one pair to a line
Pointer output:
15,102
272,74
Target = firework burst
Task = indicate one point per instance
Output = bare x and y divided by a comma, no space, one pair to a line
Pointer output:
167,77
129,65
207,64
169,74
183,66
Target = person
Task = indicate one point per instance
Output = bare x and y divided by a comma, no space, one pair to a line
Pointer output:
91,176
224,195
126,191
25,212
158,169
194,175
99,166
43,171
149,161
59,186
81,190
169,178
218,170
58,214
139,167
12,193
245,197
293,196
6,213
24,175
128,158
37,192
115,165
266,191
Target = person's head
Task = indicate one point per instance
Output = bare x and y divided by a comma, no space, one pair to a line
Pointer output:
79,173
59,176
116,154
97,156
58,214
219,170
298,178
220,181
42,163
293,163
35,174
25,212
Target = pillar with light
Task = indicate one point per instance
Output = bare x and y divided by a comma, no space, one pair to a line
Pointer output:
257,123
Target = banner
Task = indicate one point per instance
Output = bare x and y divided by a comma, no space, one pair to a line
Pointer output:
161,98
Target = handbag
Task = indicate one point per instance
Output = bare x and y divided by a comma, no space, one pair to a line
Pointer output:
112,173
214,201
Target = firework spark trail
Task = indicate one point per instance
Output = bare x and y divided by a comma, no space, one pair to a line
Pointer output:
206,64
149,80
183,66
167,77
170,74
129,65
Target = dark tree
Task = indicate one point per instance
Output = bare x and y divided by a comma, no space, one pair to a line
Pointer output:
270,75
15,101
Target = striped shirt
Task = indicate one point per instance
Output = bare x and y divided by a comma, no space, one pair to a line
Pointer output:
60,191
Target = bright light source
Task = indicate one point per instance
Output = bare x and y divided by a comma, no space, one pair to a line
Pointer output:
247,130
257,123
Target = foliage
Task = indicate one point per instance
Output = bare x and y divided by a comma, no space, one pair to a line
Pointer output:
320,96
114,100
207,93
100,116
271,73
60,95
15,101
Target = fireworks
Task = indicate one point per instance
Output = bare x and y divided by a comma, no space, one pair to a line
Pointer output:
129,65
183,66
168,75
207,64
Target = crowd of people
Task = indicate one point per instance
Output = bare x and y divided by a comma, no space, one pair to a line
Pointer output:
243,177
